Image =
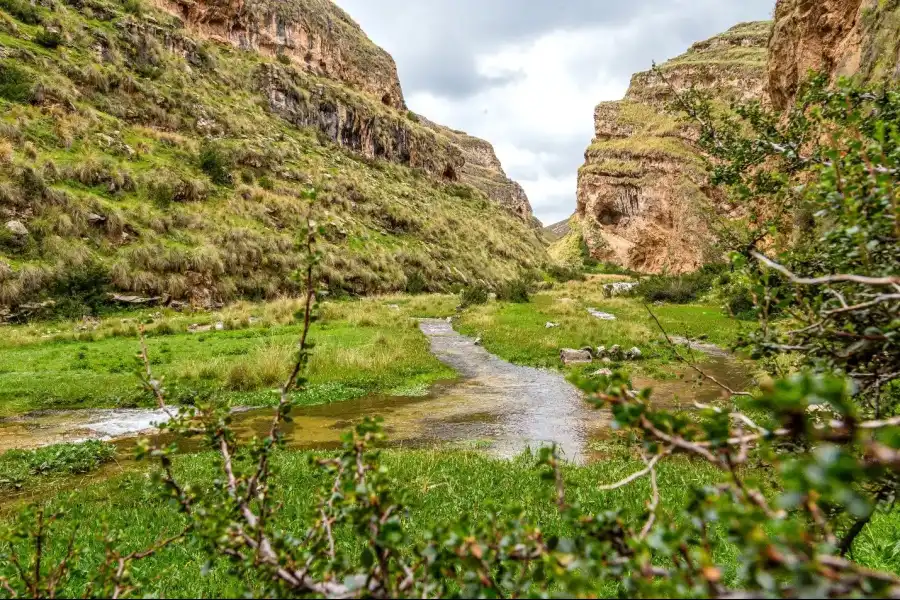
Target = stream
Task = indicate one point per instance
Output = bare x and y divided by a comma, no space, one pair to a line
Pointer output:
494,405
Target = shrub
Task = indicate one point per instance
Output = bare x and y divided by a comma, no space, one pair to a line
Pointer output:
16,84
740,303
23,10
564,273
284,59
81,290
133,7
679,289
215,162
472,295
49,38
415,283
517,291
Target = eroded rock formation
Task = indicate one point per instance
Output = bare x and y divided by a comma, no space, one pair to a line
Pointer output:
642,191
837,37
316,35
482,170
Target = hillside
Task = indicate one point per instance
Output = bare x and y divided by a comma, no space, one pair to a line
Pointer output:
558,230
159,150
642,191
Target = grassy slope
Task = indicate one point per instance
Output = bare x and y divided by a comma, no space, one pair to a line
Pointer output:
121,139
363,347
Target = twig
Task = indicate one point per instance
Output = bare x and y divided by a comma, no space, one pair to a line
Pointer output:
839,278
691,363
634,477
654,501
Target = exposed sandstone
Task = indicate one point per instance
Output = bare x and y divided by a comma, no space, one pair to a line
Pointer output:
642,191
837,37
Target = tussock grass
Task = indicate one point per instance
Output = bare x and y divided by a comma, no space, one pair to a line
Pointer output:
364,346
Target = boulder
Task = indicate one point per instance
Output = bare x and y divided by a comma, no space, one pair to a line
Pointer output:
589,350
603,373
17,228
615,353
634,354
611,290
568,356
599,314
551,325
600,352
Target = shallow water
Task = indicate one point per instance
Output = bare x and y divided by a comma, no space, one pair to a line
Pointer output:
502,407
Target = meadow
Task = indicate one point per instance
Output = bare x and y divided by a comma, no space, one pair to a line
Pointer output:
363,346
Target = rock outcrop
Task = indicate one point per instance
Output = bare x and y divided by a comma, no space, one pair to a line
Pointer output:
838,37
482,170
330,76
316,35
642,191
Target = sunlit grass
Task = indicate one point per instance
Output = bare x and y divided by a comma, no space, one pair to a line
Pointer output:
364,346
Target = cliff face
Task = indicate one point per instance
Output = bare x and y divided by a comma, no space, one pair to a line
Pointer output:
642,190
482,170
315,35
365,112
839,37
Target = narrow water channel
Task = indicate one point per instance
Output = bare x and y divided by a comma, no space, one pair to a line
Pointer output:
500,407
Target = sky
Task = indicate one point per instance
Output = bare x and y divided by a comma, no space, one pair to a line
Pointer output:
526,74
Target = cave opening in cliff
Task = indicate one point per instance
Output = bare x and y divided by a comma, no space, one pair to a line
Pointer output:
386,99
450,173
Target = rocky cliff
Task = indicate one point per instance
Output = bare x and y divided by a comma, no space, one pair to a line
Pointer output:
642,191
839,37
157,148
315,35
482,170
319,38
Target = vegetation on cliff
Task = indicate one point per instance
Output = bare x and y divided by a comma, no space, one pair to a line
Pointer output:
138,156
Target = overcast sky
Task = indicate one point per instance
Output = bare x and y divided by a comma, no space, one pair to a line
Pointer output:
526,74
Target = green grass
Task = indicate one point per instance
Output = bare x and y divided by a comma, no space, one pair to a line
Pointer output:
21,469
439,486
518,332
363,347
